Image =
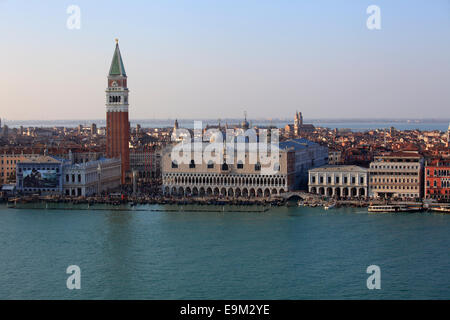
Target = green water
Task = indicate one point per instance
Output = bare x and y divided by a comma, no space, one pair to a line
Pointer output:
163,252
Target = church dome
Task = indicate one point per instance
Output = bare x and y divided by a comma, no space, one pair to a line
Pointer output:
245,125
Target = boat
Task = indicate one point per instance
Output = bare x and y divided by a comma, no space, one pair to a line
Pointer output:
411,209
383,208
329,206
441,209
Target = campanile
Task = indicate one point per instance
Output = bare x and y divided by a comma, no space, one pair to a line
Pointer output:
117,123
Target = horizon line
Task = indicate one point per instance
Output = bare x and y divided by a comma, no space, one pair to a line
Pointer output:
238,118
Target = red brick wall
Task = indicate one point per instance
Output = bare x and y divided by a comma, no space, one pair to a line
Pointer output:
117,138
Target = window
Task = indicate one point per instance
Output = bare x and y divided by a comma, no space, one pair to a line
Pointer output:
210,164
192,164
240,165
224,166
258,167
174,164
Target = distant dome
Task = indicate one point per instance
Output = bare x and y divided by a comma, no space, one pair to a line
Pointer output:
245,125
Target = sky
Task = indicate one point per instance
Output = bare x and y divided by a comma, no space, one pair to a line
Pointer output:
216,59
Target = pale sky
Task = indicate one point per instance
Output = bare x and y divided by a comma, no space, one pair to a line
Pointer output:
215,59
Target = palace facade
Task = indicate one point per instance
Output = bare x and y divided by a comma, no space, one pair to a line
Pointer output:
243,178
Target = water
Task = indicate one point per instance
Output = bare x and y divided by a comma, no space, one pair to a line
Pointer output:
283,253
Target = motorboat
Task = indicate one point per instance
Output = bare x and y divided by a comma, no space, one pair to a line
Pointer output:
441,209
383,208
329,206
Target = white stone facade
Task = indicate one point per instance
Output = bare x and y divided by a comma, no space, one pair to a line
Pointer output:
227,180
242,179
91,178
339,181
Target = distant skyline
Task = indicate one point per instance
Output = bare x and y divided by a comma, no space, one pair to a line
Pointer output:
354,125
209,60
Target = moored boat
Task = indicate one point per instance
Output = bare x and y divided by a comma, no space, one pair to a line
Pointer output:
383,208
329,206
441,209
411,209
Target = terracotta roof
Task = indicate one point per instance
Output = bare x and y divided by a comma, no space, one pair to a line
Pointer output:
410,147
397,154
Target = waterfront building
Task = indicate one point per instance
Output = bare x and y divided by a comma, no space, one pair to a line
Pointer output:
40,175
92,177
146,163
306,155
117,123
7,190
242,178
8,162
397,175
437,179
339,181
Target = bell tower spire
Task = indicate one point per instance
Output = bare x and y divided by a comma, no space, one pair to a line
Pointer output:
117,123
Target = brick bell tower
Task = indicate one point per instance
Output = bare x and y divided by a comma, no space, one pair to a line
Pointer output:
117,123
